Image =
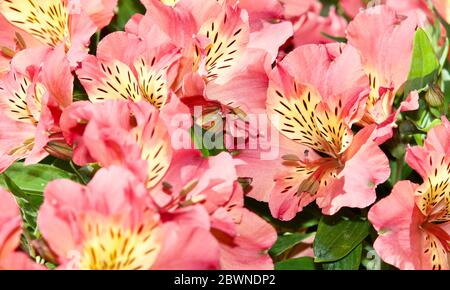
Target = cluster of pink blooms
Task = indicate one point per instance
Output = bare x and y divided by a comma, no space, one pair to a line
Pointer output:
154,205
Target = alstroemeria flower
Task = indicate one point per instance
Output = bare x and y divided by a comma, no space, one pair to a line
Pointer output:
223,58
10,231
316,93
108,225
119,132
244,238
32,96
385,42
414,221
58,22
127,67
106,133
224,67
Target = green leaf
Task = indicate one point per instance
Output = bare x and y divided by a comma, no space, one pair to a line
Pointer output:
27,184
28,204
349,262
425,64
14,189
337,236
34,178
303,263
127,9
286,242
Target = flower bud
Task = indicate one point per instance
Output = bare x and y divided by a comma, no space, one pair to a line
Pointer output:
434,96
58,147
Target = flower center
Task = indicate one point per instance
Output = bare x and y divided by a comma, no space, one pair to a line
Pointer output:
433,197
114,247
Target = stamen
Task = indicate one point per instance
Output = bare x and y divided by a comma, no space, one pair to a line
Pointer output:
20,41
8,52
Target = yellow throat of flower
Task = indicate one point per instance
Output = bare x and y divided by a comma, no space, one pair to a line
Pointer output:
114,247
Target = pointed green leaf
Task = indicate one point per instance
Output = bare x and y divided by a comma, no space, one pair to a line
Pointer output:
424,65
34,178
337,236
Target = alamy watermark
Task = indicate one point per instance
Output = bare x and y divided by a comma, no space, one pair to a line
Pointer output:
230,132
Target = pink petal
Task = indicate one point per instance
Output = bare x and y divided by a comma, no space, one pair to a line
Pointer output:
385,42
81,30
19,261
394,217
333,69
187,248
255,237
271,37
100,11
311,26
293,8
57,77
351,7
252,80
264,162
365,168
63,199
438,138
10,224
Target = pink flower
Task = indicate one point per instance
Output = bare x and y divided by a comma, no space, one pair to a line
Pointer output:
413,222
32,96
221,51
127,67
228,59
131,135
57,22
119,133
316,93
385,42
244,238
10,231
108,225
